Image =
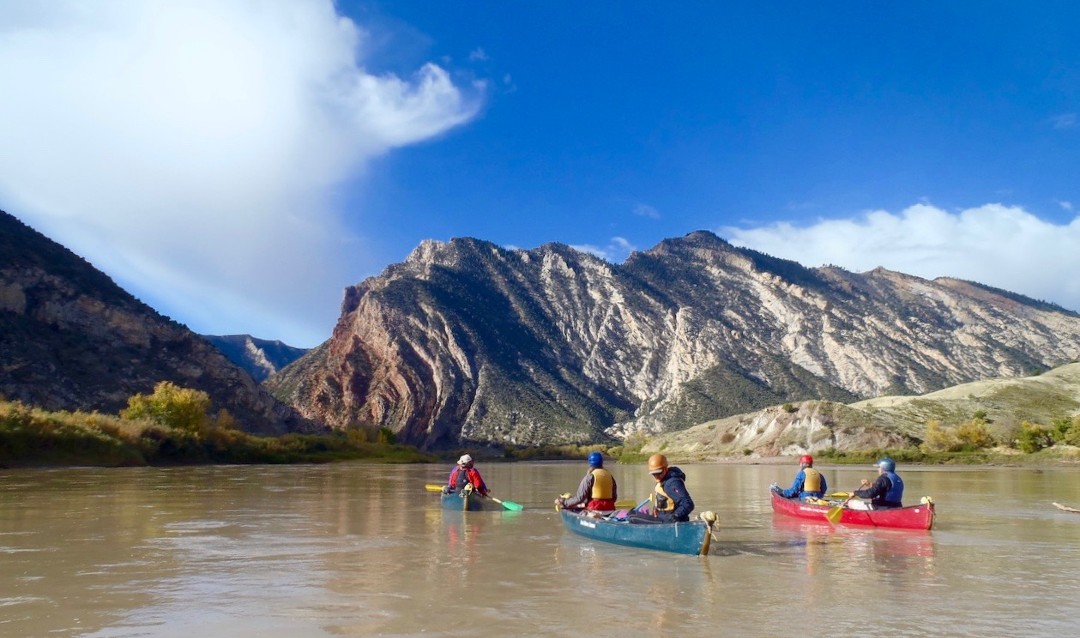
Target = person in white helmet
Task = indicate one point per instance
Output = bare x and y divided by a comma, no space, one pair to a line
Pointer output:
465,474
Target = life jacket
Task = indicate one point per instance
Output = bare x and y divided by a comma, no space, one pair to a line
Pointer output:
896,489
659,501
811,480
460,477
602,496
603,486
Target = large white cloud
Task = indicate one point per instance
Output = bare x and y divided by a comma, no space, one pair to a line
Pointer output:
192,147
1001,246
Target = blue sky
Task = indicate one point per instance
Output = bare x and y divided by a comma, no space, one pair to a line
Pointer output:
236,164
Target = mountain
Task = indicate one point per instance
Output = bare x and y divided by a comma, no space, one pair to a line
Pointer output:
881,422
71,339
259,357
465,342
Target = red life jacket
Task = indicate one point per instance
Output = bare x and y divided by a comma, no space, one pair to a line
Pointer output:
472,476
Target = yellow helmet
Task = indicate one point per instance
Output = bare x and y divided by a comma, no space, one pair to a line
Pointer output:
658,464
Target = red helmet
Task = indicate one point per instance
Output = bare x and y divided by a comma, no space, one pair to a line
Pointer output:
806,459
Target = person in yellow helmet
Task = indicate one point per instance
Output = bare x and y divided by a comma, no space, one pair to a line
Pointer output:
670,502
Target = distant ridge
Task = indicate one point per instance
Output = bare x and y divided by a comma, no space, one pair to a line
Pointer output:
466,342
259,357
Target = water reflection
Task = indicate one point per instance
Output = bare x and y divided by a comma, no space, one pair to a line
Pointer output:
907,551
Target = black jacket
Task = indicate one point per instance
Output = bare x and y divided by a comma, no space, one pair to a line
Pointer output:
675,486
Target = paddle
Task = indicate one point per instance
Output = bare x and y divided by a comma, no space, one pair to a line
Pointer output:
835,513
510,505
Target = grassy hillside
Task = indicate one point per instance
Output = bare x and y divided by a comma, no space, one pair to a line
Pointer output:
1034,419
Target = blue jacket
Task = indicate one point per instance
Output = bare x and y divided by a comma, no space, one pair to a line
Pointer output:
796,489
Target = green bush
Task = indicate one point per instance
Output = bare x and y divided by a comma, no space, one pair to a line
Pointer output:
969,436
1066,431
1034,437
974,435
170,405
939,438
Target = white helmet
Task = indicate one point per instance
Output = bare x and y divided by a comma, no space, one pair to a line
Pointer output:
464,460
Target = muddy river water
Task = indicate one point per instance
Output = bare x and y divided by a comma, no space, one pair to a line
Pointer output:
357,549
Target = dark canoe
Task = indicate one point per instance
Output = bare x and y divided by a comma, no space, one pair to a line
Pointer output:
467,501
682,538
919,516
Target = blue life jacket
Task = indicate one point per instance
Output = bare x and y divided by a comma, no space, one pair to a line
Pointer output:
896,488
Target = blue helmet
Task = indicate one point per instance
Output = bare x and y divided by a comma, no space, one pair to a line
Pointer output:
596,459
887,464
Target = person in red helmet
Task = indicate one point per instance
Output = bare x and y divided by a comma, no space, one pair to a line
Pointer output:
808,482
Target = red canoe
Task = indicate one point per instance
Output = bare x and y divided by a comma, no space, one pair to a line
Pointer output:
919,516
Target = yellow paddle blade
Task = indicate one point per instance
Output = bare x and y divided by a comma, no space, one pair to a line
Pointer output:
840,495
433,488
834,514
625,504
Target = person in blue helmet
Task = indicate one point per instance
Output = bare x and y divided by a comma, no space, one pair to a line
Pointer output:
886,492
808,482
597,491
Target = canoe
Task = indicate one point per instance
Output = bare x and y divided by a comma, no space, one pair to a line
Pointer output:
468,501
1066,508
682,538
919,516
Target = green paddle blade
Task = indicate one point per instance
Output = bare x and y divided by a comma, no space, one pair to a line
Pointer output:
512,505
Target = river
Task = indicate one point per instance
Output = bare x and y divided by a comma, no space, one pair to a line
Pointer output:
355,549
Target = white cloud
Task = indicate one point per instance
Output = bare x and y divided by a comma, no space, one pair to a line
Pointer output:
617,250
1001,246
644,210
194,147
1064,121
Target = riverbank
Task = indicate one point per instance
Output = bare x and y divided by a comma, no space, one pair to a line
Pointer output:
1060,455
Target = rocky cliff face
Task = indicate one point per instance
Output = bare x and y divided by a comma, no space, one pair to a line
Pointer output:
258,357
71,339
466,341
